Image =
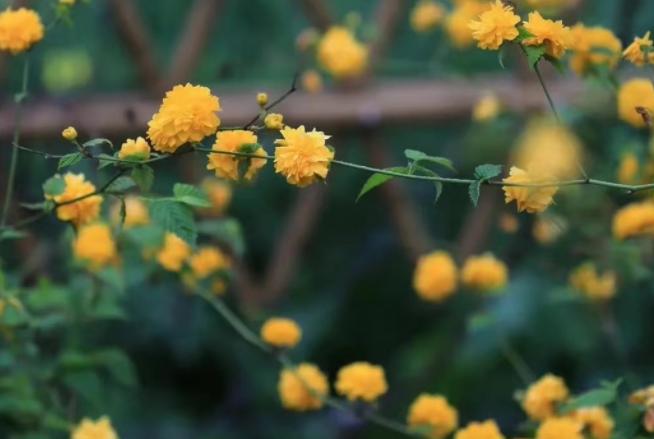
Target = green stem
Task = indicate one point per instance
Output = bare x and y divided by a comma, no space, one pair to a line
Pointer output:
20,97
547,93
517,362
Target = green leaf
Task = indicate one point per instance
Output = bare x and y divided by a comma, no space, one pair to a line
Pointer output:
174,217
9,234
597,397
121,185
378,179
34,206
249,148
190,195
500,56
69,160
143,176
98,141
118,364
523,34
227,231
439,191
419,156
487,171
54,186
474,190
106,160
534,54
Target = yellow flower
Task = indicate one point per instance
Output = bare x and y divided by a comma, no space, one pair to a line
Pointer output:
635,219
484,273
20,29
207,261
594,286
560,428
487,108
262,99
547,147
361,381
494,26
341,54
547,230
100,429
593,46
628,169
635,97
426,15
187,114
596,420
302,157
134,150
542,397
553,34
480,430
635,52
173,253
80,212
227,165
219,193
69,134
281,333
95,246
457,23
435,276
530,199
302,388
644,397
311,81
435,413
136,212
274,121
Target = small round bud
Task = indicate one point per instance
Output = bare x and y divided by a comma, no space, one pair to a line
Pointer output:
262,99
69,134
274,121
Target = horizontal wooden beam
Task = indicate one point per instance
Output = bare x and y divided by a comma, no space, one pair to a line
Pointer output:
380,103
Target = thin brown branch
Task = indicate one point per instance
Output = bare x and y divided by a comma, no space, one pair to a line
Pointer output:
317,13
388,16
477,226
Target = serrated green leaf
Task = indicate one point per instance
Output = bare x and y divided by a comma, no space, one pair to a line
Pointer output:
121,185
534,54
190,195
378,179
143,176
249,148
98,141
487,171
473,190
597,397
523,34
69,160
419,156
414,155
174,217
54,186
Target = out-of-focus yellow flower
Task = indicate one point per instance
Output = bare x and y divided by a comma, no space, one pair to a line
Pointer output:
207,261
628,168
187,114
636,100
95,246
136,212
644,397
302,388
635,219
457,23
20,29
427,15
435,277
281,332
542,397
174,252
340,54
635,53
592,47
361,381
547,147
434,412
311,81
508,223
547,230
135,150
594,286
480,430
79,212
556,37
262,99
560,428
89,429
302,156
487,108
236,141
69,134
484,273
596,420
530,199
219,193
67,2
274,121
495,26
